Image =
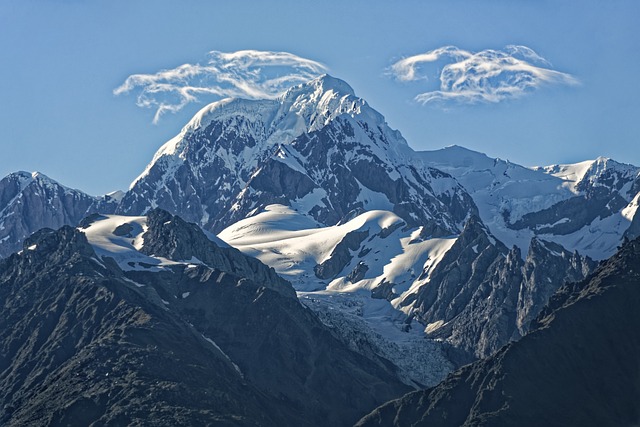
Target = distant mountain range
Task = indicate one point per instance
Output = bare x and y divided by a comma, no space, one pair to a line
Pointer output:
385,244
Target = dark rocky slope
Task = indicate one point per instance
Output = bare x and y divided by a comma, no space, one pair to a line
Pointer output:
172,237
578,367
84,343
482,295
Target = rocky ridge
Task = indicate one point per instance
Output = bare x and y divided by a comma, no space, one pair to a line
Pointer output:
318,148
86,341
577,366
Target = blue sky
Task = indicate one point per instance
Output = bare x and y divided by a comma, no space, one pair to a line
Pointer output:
62,60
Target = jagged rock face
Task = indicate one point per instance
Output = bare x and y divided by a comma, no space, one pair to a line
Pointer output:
171,237
578,367
569,216
318,148
349,168
604,188
481,296
547,266
459,273
341,255
586,206
81,346
84,342
456,303
29,202
202,185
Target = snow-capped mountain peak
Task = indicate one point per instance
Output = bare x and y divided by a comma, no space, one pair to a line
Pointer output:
30,201
321,100
26,178
316,146
268,123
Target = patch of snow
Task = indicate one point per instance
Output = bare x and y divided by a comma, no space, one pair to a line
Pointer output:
97,261
293,243
434,326
213,343
116,196
124,249
630,210
373,200
309,201
185,294
133,282
572,174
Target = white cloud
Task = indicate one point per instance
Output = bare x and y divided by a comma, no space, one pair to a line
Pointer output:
247,73
485,76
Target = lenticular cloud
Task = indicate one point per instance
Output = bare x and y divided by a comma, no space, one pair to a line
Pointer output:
485,76
247,73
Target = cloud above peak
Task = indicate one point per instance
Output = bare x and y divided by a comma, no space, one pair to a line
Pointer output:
250,74
487,76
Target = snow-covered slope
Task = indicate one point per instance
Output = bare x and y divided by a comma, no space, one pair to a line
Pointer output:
381,251
120,238
586,206
160,241
354,275
318,148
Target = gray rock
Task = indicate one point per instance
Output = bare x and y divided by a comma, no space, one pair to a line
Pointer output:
171,237
84,342
29,202
341,255
578,367
482,296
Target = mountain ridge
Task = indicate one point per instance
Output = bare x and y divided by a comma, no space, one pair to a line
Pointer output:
175,343
576,367
387,245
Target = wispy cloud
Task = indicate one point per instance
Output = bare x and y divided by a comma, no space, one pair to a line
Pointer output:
485,76
247,73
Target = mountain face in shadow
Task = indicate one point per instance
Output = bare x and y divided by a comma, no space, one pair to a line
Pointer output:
579,366
93,339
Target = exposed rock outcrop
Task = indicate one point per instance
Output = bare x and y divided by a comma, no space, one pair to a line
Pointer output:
578,367
82,341
481,295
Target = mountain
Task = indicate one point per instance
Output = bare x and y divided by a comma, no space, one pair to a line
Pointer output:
352,274
316,185
468,290
318,148
129,320
579,366
586,206
31,201
481,295
387,245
